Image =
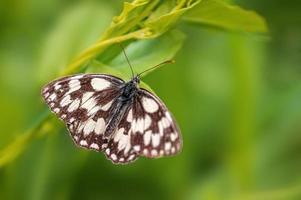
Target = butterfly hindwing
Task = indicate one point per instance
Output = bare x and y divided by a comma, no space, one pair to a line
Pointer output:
120,149
146,129
154,130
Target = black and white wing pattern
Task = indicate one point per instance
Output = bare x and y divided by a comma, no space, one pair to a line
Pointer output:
154,131
147,129
97,118
84,103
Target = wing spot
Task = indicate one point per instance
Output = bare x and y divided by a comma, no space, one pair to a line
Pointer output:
93,110
99,84
52,97
89,127
149,105
74,85
123,140
137,148
66,101
167,146
108,151
167,114
165,122
89,104
113,156
147,137
74,105
173,150
94,146
138,125
147,122
145,152
161,131
86,96
173,136
155,139
72,119
46,95
83,143
57,86
56,110
131,157
100,126
154,152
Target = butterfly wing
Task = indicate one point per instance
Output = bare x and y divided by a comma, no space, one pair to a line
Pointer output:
146,129
120,149
155,132
84,103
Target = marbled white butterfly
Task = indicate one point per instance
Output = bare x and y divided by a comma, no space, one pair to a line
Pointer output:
106,114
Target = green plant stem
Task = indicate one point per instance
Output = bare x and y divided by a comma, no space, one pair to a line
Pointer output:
14,149
100,47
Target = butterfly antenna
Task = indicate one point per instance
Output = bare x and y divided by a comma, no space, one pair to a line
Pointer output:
158,65
127,59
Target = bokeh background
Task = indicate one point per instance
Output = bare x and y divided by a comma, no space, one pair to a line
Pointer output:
236,97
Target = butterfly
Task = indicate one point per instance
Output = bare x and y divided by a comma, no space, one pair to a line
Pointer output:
104,113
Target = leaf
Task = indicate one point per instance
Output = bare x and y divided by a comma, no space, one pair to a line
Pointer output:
230,17
119,31
165,21
147,53
143,55
130,17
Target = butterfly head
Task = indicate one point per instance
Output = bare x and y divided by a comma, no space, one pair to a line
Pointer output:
136,80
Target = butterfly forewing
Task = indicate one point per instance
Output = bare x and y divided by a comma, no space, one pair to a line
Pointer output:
84,102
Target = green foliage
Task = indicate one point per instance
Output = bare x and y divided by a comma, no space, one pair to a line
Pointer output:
235,101
219,14
139,20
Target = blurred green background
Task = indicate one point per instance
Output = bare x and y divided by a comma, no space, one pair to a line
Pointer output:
236,97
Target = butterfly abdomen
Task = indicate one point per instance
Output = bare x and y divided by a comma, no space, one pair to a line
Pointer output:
120,108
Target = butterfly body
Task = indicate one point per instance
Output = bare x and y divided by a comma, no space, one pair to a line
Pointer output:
127,92
106,114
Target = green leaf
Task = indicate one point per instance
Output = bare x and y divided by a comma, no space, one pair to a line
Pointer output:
144,54
130,17
230,17
159,22
131,24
